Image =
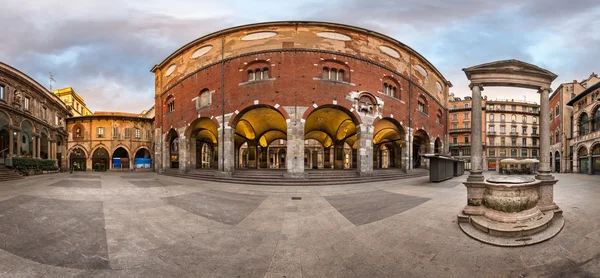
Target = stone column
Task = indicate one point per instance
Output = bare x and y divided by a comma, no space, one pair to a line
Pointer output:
590,160
11,141
33,146
406,151
365,149
18,142
226,150
49,149
544,130
476,144
295,149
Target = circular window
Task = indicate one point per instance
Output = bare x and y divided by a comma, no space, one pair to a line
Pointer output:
170,70
389,51
421,70
258,36
334,36
201,51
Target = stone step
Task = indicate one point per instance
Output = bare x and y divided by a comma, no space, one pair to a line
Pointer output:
307,181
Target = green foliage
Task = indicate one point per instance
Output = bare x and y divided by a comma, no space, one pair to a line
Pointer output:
25,164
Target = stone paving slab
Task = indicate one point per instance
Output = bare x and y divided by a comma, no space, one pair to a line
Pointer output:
364,208
150,183
225,207
77,184
202,229
54,232
83,176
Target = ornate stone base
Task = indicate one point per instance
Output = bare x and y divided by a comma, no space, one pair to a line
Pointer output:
511,211
512,234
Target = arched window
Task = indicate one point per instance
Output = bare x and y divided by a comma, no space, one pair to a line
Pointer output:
502,117
203,99
422,104
534,120
596,119
583,124
325,73
556,111
439,116
524,119
556,137
170,103
257,71
333,74
340,75
335,70
513,118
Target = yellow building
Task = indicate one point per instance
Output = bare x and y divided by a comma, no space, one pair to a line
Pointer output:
73,101
110,140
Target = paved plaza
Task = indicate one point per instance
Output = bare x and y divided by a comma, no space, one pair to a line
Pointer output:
144,225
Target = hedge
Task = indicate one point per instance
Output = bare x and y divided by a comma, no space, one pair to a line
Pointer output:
23,163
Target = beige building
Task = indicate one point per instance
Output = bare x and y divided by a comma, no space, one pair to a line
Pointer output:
459,128
584,140
110,140
31,119
512,131
75,102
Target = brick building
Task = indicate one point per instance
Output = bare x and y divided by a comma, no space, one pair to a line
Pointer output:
368,100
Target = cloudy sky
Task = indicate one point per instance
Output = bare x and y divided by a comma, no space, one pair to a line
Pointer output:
105,49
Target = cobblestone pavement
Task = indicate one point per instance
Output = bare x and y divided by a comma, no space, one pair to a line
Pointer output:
146,225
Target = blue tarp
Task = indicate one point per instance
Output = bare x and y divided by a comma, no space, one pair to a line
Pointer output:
116,163
142,163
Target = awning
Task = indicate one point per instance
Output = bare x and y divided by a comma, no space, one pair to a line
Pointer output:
516,161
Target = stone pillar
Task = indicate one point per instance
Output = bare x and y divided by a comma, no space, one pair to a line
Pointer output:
184,154
295,149
11,141
365,149
407,151
49,149
226,150
18,144
34,147
476,144
544,171
590,160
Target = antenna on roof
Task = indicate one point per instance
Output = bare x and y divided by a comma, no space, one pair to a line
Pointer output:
51,79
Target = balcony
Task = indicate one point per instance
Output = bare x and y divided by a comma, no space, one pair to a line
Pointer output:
491,133
459,130
535,135
514,133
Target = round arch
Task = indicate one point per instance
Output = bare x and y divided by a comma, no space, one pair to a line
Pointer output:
583,160
172,140
5,123
258,126
203,136
595,153
26,140
388,143
596,118
557,162
583,124
420,147
334,126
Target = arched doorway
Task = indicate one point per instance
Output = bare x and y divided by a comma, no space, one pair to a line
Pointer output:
142,159
44,144
557,162
277,154
59,144
4,136
437,145
313,154
26,140
173,139
334,127
257,127
388,143
120,159
203,143
550,160
582,158
100,159
596,159
420,148
77,160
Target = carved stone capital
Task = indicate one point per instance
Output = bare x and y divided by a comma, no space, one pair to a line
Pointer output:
541,89
476,84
